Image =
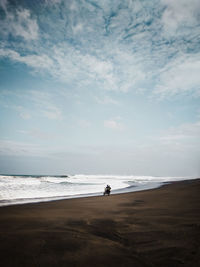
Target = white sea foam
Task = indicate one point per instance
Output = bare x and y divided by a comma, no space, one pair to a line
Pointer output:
25,189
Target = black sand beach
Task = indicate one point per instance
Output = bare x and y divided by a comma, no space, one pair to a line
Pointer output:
159,227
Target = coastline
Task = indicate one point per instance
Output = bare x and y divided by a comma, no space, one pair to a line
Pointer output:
155,227
128,189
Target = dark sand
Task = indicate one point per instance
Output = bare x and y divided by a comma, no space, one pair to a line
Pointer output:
159,227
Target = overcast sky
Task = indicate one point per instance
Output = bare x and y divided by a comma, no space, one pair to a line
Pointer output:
100,87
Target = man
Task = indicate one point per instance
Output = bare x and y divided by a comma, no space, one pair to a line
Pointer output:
107,190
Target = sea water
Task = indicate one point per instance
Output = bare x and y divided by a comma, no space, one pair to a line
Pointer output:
19,189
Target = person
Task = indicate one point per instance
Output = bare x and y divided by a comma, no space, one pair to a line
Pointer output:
107,190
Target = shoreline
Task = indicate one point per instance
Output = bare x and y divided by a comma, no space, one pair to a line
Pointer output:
156,227
125,190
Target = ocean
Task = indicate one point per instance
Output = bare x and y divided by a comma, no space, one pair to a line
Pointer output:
20,189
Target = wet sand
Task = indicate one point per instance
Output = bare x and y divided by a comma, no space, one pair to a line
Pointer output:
159,227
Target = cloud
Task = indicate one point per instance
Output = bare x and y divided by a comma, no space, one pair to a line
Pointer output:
37,62
19,23
37,134
52,113
104,52
52,2
45,104
82,68
106,100
119,47
183,138
114,124
23,112
105,65
113,69
84,123
9,147
180,14
42,102
3,5
187,130
180,76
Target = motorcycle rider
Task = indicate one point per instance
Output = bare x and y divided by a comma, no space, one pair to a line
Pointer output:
108,189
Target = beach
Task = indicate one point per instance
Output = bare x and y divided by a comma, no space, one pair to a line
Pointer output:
157,227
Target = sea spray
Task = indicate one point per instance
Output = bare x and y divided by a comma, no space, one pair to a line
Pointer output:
19,189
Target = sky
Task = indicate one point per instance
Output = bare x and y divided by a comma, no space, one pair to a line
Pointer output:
100,87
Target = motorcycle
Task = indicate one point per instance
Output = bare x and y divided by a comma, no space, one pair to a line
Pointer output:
107,191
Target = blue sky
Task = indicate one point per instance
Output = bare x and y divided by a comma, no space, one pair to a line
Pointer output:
100,87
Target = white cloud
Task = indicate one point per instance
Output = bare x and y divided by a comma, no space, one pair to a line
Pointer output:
24,114
84,123
22,111
114,47
179,76
184,134
106,100
3,4
35,61
9,147
19,23
189,129
71,65
45,104
52,113
106,64
107,47
114,124
180,13
52,2
77,28
42,101
38,134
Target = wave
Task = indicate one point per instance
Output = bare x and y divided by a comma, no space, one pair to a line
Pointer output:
16,189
